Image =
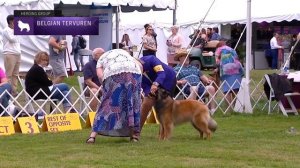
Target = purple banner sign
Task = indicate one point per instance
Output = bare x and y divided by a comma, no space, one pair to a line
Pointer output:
56,26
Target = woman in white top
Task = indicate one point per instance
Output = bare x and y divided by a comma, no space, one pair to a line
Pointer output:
174,43
119,111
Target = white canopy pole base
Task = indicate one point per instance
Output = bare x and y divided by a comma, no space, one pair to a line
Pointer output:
243,103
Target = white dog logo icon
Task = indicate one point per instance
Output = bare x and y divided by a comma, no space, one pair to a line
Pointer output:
23,26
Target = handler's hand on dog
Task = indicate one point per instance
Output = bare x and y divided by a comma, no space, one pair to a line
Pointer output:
153,89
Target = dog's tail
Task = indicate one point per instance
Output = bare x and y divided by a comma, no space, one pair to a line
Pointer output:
212,125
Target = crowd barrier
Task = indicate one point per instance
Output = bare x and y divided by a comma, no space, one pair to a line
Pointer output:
38,113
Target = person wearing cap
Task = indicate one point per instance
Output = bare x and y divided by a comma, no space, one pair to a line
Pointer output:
156,74
197,83
174,43
91,79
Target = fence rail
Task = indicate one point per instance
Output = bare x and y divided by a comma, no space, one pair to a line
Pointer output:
25,105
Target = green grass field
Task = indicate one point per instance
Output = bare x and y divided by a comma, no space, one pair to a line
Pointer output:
257,140
241,140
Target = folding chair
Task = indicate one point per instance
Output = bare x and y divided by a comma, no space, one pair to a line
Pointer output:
288,96
29,107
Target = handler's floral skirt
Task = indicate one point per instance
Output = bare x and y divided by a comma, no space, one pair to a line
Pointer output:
119,111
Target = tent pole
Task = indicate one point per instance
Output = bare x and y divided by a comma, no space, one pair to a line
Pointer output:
174,13
248,41
244,102
117,26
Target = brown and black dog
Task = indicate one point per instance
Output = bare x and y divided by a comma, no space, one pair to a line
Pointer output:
173,112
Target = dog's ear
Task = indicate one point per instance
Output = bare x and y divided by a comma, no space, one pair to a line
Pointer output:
162,94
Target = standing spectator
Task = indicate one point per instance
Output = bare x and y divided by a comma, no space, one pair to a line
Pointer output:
156,74
57,46
5,88
75,51
274,50
230,68
192,75
91,79
39,86
12,54
149,42
215,34
174,43
153,32
119,110
296,51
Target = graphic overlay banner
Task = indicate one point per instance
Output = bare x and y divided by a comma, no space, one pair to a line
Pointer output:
25,25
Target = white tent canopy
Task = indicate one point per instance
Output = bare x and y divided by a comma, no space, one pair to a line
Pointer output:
191,13
234,11
223,12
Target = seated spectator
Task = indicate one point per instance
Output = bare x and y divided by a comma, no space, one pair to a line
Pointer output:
36,79
204,35
127,44
91,79
209,33
5,88
194,35
215,34
193,76
196,45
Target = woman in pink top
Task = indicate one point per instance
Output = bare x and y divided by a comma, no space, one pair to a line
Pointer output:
174,43
5,88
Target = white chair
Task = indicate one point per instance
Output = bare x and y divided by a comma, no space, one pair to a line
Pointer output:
39,102
288,96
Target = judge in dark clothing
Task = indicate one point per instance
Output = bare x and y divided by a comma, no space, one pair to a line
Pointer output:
91,79
155,74
36,79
